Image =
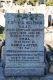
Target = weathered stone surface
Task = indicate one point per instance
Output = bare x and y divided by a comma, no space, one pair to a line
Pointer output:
24,44
22,78
38,71
49,77
1,74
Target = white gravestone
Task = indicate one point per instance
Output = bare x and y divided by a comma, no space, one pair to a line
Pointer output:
24,44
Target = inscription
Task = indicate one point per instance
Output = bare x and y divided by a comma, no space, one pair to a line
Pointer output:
24,41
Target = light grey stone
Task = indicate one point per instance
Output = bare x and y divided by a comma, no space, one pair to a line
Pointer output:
1,74
24,44
24,71
10,78
22,78
49,77
35,78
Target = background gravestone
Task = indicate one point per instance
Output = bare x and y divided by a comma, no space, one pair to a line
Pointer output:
24,44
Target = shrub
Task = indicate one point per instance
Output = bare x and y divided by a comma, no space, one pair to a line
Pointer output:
1,29
32,2
49,3
20,2
50,48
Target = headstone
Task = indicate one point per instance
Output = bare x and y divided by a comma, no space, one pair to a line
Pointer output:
1,74
22,78
48,77
24,44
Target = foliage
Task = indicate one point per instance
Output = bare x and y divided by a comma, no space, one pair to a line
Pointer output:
32,2
20,2
50,48
1,32
2,36
49,3
1,29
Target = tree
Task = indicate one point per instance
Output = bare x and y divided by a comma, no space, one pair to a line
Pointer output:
50,3
32,2
1,29
20,2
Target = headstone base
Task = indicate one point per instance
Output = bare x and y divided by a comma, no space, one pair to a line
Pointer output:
31,71
47,77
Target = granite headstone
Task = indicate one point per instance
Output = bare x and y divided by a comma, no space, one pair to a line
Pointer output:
24,44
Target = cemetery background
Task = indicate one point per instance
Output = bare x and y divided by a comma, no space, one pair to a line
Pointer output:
48,40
